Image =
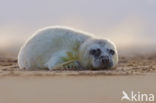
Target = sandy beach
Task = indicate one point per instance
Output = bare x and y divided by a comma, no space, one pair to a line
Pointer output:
135,73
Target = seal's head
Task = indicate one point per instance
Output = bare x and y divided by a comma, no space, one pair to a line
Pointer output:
98,54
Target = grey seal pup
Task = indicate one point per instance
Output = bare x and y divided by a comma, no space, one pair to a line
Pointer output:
59,47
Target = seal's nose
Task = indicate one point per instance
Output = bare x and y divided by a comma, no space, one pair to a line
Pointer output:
105,60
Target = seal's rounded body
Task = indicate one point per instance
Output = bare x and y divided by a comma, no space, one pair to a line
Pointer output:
52,46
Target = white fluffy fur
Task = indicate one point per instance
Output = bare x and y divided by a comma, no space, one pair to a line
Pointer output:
47,46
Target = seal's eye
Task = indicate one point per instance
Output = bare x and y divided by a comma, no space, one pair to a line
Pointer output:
112,52
95,52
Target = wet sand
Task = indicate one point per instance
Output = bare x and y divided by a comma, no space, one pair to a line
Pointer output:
137,73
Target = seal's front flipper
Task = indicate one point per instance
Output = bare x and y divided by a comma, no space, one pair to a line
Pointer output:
72,65
69,65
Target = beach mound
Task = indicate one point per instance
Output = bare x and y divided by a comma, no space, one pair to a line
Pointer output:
127,66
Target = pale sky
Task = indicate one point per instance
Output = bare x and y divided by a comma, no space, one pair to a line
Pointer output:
123,21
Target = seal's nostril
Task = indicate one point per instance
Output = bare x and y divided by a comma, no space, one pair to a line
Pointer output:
105,59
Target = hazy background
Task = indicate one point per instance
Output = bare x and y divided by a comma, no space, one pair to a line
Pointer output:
126,22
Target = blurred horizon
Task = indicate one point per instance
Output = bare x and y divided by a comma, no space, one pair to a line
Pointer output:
129,23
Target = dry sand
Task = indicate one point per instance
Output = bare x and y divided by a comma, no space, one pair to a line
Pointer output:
137,73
